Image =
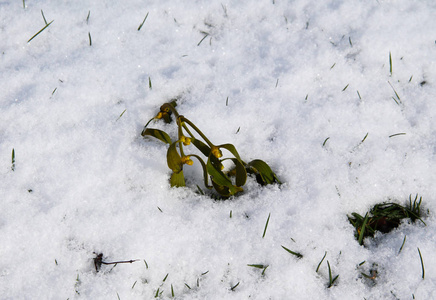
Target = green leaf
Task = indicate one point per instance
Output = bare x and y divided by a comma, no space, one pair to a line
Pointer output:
222,190
205,175
232,150
240,172
220,180
205,149
177,179
214,169
173,159
159,134
261,168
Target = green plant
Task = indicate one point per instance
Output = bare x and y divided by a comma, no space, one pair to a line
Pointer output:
384,217
46,25
331,278
13,159
422,264
298,255
226,183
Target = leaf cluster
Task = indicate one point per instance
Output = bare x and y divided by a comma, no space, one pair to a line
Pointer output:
384,217
225,183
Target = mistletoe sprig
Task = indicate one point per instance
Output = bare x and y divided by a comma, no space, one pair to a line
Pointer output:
225,183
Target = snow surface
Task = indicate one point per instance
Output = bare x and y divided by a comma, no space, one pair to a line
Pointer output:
293,73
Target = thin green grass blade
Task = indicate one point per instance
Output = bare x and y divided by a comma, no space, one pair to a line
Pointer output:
36,34
402,245
317,268
390,63
362,229
259,266
140,26
234,287
298,255
330,274
422,264
266,225
13,159
120,115
263,272
396,94
401,133
345,87
205,36
42,13
331,279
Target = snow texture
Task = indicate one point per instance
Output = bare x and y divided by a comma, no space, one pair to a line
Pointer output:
298,84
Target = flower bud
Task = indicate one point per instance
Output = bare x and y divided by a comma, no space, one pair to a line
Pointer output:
186,141
216,152
187,160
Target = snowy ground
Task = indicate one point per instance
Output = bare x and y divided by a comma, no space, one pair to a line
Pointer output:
292,73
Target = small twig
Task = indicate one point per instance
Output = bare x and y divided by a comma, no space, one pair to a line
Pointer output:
119,262
98,261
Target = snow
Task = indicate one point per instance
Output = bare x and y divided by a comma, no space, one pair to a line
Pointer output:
293,73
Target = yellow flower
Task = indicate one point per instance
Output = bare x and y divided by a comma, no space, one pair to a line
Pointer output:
159,115
216,152
185,140
187,160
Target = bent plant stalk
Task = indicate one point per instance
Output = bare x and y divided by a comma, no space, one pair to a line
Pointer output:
213,167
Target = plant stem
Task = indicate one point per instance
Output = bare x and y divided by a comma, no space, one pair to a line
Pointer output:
183,119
